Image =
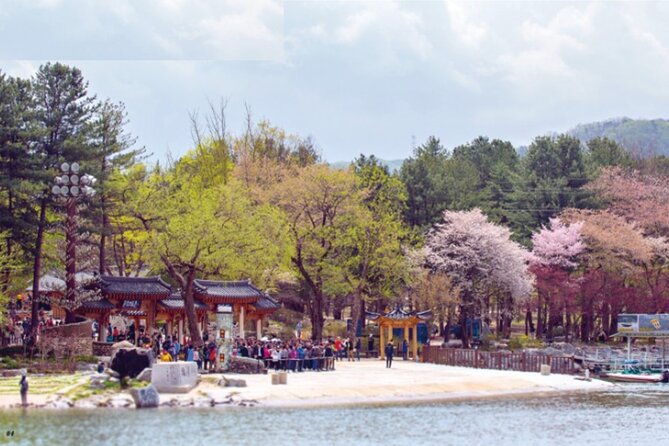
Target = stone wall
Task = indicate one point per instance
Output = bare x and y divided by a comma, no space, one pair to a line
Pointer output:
102,348
65,341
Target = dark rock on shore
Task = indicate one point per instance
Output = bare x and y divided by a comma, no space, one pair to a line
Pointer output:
130,362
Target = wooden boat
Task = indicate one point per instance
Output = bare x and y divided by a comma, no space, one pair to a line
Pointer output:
635,377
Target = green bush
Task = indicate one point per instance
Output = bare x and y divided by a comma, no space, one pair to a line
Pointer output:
523,341
89,359
10,363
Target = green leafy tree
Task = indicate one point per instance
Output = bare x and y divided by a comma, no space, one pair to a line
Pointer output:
62,110
424,177
320,205
17,172
113,152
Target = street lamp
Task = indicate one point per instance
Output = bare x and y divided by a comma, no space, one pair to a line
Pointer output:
71,186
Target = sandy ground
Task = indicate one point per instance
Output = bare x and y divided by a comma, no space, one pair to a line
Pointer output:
369,382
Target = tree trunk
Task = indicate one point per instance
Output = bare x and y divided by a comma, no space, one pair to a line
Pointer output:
37,271
8,247
356,309
529,325
463,326
316,316
189,306
540,320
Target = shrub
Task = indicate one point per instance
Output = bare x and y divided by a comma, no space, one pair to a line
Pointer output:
523,341
10,363
89,359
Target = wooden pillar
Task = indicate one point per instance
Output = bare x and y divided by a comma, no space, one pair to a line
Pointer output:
382,343
104,323
259,327
180,329
242,310
169,326
151,317
390,334
415,343
406,338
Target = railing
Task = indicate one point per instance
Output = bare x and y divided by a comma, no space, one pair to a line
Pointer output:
521,362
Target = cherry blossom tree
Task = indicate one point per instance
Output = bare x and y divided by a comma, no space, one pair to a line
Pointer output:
481,260
554,256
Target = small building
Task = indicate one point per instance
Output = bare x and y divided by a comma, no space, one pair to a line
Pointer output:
399,318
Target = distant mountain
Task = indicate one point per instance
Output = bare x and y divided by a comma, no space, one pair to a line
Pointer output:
643,137
393,165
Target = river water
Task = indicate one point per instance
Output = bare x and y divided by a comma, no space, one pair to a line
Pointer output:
626,414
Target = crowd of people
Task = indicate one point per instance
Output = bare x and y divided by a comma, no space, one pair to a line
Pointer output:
298,355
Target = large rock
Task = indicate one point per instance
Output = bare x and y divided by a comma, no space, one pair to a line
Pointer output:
145,375
120,345
243,365
130,362
228,382
145,397
174,377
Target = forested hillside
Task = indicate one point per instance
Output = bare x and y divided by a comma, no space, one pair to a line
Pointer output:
642,137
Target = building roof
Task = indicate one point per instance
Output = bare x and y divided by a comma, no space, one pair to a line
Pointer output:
266,303
134,287
176,303
399,314
101,305
222,291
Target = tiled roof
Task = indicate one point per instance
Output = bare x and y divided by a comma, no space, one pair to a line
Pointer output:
399,314
266,303
134,286
96,305
233,291
176,303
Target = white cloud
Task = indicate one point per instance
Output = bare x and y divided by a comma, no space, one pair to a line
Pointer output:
464,27
388,27
543,53
151,29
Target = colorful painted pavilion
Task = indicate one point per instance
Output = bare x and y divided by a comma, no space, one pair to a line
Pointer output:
151,299
398,318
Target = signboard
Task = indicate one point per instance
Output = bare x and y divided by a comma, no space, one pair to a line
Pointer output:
644,324
224,308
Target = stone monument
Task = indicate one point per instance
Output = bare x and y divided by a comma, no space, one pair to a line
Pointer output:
174,377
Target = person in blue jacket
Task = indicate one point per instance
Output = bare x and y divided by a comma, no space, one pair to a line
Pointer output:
390,350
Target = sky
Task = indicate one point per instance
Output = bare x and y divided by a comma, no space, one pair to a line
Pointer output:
373,77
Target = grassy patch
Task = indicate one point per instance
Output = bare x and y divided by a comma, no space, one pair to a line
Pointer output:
39,385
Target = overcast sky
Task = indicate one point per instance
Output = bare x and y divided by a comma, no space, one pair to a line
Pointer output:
360,77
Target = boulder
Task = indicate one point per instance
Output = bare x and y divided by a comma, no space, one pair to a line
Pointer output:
59,403
246,366
226,382
119,401
98,380
144,375
120,345
145,397
174,377
130,362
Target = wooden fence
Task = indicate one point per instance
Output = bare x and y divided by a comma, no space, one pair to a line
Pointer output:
521,362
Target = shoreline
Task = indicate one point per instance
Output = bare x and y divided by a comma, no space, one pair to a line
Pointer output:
364,383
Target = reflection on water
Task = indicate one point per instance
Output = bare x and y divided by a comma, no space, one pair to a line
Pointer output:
634,413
